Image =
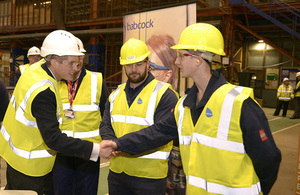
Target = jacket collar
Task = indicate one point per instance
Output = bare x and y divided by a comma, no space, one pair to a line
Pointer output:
214,83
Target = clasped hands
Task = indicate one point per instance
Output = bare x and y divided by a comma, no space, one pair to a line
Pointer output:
107,149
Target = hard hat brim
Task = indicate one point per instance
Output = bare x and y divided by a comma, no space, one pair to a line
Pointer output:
45,52
135,60
192,47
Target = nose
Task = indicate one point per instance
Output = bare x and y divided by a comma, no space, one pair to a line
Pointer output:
177,61
77,66
133,67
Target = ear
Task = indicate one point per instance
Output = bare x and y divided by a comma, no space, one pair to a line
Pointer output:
53,62
168,75
199,61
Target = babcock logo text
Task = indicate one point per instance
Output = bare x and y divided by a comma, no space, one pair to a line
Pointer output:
140,25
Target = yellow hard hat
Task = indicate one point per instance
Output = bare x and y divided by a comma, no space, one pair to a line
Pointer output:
203,37
133,51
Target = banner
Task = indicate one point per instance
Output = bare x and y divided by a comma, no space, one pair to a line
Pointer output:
170,20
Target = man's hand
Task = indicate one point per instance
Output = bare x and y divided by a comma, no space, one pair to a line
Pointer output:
106,148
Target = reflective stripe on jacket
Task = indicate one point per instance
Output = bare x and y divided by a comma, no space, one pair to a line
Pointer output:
23,68
21,143
216,161
285,93
86,105
298,92
124,120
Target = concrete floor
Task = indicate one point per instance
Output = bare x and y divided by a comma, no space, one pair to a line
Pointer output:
285,133
287,141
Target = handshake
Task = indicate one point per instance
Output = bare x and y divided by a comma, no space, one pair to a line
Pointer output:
107,149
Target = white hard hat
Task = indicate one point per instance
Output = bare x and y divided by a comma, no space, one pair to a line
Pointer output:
81,45
298,74
61,43
33,51
285,79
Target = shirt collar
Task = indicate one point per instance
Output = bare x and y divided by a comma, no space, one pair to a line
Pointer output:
149,78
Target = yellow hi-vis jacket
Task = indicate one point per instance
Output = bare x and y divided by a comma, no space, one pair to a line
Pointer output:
86,105
21,143
152,164
23,68
297,94
213,154
285,93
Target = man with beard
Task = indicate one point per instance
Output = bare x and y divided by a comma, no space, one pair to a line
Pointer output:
136,104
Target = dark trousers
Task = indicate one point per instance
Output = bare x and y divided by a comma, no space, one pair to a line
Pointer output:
297,108
123,184
19,181
279,105
73,175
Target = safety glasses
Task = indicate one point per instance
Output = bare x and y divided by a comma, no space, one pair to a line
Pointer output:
182,55
153,67
74,63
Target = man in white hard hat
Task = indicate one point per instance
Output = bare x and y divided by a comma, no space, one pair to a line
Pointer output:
297,98
284,96
225,141
30,135
33,55
85,97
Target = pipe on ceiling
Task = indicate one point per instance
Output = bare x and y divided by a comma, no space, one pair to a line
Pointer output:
76,33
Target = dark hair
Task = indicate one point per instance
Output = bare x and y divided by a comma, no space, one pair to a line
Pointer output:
56,57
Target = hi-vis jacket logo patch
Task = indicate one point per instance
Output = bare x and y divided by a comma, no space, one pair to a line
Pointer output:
140,101
208,113
263,135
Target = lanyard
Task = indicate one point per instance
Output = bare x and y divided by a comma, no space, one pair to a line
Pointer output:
72,91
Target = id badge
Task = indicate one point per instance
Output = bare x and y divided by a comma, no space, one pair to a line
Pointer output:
69,114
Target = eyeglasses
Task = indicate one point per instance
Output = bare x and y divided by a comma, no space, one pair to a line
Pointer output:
153,67
73,63
35,56
138,64
182,55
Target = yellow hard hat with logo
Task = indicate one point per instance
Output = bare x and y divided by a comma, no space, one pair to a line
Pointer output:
203,37
133,51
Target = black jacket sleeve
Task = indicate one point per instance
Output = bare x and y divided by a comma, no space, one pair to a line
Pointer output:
259,144
17,75
166,105
4,100
106,130
149,138
104,97
44,110
297,89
